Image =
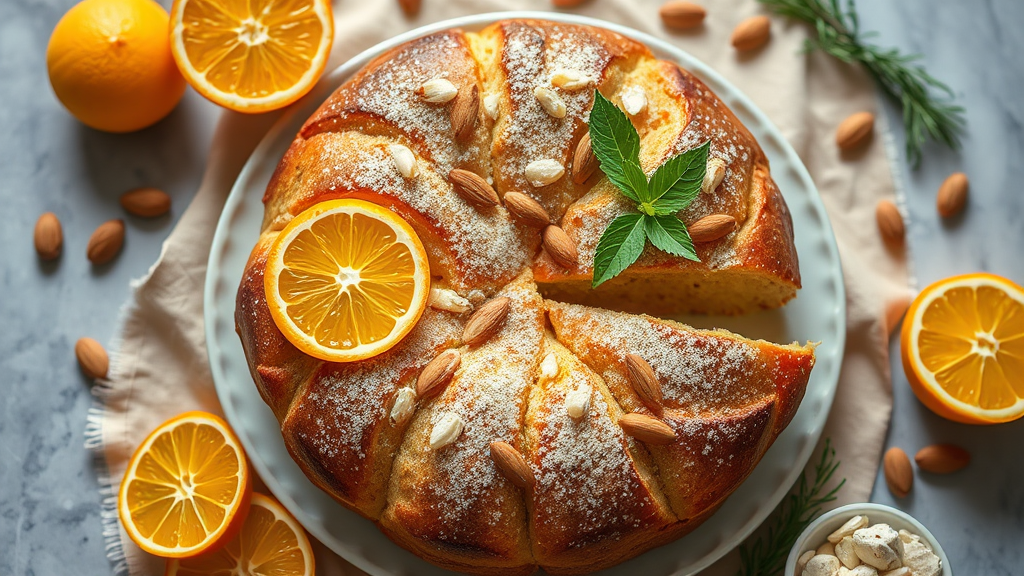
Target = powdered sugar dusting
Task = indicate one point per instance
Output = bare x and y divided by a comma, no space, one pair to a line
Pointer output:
485,244
585,462
489,395
345,402
699,371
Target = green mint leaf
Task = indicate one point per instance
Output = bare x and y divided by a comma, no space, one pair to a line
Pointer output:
620,245
677,182
669,234
617,147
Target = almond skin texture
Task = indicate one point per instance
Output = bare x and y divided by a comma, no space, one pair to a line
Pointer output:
645,382
472,188
105,242
711,227
647,429
438,373
465,111
512,465
526,210
486,321
942,458
855,131
146,202
890,222
48,236
681,15
584,163
559,246
92,358
752,33
410,7
952,195
899,476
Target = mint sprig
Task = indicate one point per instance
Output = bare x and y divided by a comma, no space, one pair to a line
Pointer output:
672,188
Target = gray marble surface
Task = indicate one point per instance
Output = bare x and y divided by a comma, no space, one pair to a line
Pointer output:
49,507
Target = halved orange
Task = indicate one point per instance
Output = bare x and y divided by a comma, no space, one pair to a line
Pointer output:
271,543
346,280
254,55
187,488
963,348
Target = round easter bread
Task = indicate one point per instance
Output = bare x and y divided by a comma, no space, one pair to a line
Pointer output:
561,459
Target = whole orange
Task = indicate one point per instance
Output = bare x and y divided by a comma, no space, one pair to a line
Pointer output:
110,64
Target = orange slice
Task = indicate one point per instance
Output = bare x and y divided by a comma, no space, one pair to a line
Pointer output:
963,348
346,280
187,487
271,543
251,56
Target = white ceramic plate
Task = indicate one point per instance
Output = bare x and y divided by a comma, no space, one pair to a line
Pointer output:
817,314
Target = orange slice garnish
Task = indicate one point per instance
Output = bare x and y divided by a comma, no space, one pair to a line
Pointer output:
187,487
963,348
271,543
251,56
346,280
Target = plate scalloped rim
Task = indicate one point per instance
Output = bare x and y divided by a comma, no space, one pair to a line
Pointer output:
357,539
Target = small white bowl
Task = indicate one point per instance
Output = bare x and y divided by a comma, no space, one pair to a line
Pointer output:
817,533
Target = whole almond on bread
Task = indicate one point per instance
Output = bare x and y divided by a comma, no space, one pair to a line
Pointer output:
473,188
855,130
559,246
526,210
952,195
105,242
584,162
680,14
647,428
512,464
711,227
92,358
899,476
890,222
48,236
438,373
465,111
146,202
644,381
942,458
752,33
486,321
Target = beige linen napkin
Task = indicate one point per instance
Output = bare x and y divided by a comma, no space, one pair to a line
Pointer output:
161,369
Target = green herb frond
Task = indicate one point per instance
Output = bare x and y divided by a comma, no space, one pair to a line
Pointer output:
767,555
838,34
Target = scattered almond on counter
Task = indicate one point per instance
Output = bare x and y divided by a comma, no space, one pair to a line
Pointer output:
751,34
899,475
942,458
890,222
105,242
146,202
48,236
566,3
855,130
92,358
952,195
681,15
410,7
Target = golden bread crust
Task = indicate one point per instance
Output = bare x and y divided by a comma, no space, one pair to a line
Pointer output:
600,496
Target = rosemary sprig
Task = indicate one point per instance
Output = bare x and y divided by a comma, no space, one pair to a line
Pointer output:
838,34
767,555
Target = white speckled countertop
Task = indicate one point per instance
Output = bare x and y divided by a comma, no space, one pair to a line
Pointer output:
49,507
